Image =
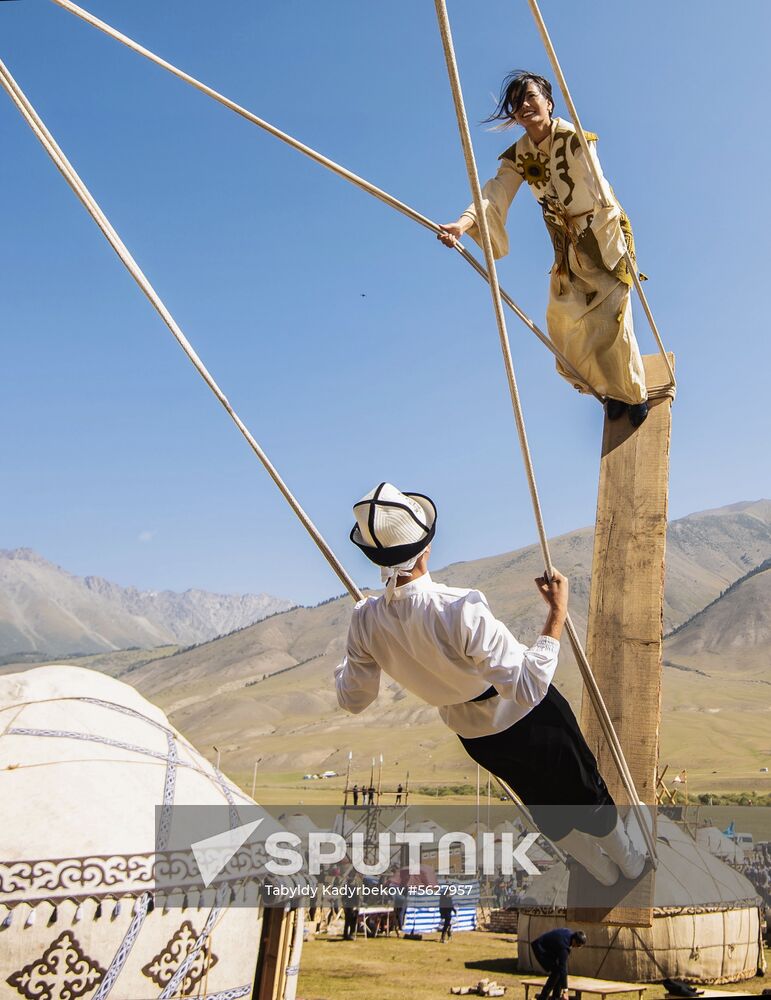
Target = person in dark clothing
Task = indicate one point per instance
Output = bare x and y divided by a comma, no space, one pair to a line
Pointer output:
446,910
399,791
355,791
351,904
371,794
351,914
552,951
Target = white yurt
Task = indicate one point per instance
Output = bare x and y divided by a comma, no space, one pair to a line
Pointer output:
707,921
515,828
715,841
85,765
298,823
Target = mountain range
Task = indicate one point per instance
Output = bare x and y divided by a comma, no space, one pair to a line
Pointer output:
266,691
46,610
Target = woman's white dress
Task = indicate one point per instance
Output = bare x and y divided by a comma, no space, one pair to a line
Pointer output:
589,315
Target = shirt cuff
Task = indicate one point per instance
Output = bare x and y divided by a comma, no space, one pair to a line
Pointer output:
547,644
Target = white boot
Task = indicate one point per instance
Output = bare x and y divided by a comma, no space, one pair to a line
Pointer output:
619,847
586,851
632,827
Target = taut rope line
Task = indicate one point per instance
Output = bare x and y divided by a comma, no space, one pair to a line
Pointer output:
78,187
552,54
561,856
70,175
586,670
319,158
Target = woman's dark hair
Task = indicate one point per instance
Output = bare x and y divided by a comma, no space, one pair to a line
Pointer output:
513,91
579,938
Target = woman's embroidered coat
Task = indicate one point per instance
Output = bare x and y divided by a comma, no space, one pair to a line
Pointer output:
589,315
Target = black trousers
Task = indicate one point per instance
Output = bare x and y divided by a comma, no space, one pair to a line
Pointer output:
545,759
351,919
553,986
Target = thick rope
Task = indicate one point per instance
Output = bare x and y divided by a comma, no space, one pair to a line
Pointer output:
70,175
631,264
72,178
593,690
560,855
324,161
479,268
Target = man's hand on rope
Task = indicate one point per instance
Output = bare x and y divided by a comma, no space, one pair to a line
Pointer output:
453,231
555,593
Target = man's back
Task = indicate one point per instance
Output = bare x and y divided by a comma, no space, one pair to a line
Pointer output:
556,942
420,638
444,645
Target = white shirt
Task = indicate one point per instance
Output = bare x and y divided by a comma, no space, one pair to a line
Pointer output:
444,645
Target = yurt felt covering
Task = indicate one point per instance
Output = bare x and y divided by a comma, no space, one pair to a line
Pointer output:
84,762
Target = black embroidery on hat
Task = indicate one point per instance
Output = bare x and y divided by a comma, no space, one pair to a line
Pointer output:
371,520
399,506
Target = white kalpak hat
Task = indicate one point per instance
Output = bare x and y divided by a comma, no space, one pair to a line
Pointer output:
393,527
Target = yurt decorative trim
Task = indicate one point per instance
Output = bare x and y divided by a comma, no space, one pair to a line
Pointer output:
658,911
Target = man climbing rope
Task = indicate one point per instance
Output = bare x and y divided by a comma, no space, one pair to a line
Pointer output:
444,645
589,315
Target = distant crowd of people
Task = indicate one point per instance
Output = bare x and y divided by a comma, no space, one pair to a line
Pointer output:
505,891
367,795
376,918
758,870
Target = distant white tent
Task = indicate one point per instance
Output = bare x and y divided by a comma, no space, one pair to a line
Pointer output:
428,826
709,838
475,827
507,826
297,823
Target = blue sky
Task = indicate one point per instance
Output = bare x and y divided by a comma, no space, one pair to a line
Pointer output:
116,459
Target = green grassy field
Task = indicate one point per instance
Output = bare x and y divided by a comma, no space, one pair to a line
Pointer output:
390,968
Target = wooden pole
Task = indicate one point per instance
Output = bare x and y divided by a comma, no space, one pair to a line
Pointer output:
347,781
254,776
626,609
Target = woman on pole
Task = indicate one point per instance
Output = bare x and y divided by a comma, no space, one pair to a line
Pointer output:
589,316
